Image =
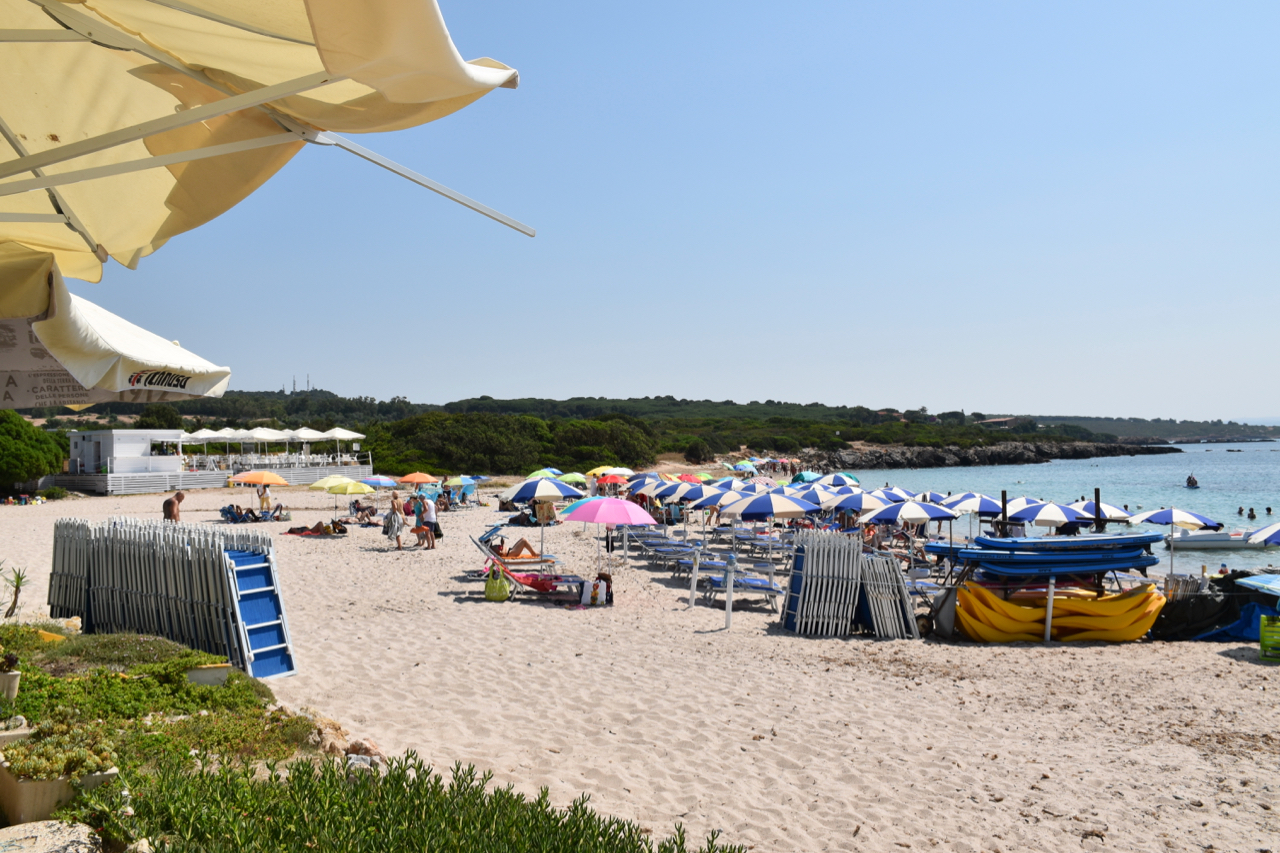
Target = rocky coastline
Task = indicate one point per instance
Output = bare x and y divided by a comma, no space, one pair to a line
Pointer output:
870,457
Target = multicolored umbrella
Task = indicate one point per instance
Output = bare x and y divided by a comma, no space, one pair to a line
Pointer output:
767,482
461,480
379,482
930,497
260,478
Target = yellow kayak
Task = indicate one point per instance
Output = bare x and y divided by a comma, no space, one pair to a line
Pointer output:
1133,631
1110,605
991,601
995,618
983,633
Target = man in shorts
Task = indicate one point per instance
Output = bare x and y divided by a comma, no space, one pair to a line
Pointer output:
172,507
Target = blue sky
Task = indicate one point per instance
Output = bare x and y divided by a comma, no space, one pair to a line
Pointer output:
956,205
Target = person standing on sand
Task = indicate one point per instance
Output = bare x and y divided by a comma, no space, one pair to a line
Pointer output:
394,526
429,519
264,498
172,507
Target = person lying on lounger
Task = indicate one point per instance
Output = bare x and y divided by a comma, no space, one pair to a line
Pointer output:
521,547
364,513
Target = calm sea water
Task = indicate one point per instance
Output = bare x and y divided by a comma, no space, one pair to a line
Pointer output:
1250,478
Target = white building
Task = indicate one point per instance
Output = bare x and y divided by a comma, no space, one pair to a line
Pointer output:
126,451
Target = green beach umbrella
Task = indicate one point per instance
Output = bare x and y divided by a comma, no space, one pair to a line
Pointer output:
572,477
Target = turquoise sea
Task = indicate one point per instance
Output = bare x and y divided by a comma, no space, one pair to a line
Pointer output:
1228,480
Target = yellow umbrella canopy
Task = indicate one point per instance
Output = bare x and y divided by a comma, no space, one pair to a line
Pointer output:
324,483
350,488
596,472
173,112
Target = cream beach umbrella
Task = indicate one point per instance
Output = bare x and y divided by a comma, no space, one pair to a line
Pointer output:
57,349
200,103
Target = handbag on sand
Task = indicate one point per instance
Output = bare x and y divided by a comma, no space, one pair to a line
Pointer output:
496,585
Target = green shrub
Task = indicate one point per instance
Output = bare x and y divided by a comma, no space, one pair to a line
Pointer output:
312,808
53,493
26,453
698,452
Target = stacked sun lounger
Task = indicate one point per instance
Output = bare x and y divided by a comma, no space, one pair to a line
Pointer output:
211,588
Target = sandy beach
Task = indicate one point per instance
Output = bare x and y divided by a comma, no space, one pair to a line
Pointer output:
782,743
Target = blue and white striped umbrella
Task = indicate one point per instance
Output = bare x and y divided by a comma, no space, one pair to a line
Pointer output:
541,488
972,502
698,492
676,491
760,507
856,502
1050,515
838,480
1109,512
721,500
733,484
891,496
647,475
930,497
906,512
1019,504
1176,517
649,487
812,494
1269,535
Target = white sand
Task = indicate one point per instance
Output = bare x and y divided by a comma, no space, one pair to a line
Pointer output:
781,742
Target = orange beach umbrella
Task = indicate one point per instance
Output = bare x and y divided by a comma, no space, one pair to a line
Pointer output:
418,477
260,478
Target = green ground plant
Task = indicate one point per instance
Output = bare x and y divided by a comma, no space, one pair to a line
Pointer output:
322,806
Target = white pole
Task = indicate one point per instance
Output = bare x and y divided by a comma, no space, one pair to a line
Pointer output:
693,581
731,569
1048,613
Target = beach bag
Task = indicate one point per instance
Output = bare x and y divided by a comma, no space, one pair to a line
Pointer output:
435,529
386,525
595,594
1269,638
496,585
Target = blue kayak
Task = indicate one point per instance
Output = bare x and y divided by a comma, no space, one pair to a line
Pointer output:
990,555
1067,567
1069,543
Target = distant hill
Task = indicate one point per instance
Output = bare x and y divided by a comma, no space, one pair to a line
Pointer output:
1165,429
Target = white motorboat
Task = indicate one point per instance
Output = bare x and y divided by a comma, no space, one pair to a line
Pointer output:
1212,540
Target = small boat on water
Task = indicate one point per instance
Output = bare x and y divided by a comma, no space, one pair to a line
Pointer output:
1212,540
1192,482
